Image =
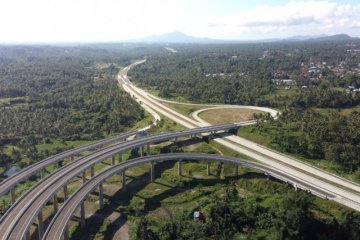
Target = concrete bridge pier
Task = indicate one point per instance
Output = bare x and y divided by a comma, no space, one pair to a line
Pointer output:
142,151
120,156
56,203
84,177
148,149
92,171
208,168
236,169
113,160
40,225
65,192
82,215
123,188
152,173
179,168
13,195
101,196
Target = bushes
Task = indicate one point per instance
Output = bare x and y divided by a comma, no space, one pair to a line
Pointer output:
290,216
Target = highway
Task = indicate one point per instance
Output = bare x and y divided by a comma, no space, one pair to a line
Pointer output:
346,191
16,221
10,182
58,225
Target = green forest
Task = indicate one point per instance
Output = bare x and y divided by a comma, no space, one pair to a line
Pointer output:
243,74
60,94
289,217
53,98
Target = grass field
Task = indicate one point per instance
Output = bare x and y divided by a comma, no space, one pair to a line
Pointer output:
228,115
185,109
155,92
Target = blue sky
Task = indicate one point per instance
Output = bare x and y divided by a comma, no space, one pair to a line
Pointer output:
121,20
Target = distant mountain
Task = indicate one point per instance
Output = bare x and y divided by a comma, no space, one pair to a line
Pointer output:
175,37
336,37
305,37
322,37
178,37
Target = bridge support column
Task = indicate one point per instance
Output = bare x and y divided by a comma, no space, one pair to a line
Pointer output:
123,188
72,157
92,171
295,186
101,196
179,168
142,151
56,204
82,215
208,168
120,157
113,160
65,192
40,225
13,195
148,149
236,170
152,173
84,177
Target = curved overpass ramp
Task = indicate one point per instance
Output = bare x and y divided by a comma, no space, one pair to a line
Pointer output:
58,225
16,221
10,182
347,192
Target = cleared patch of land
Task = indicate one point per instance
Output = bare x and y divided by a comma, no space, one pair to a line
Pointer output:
228,115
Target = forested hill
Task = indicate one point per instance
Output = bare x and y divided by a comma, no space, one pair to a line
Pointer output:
59,94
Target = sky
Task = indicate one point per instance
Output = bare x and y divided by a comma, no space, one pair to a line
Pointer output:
56,21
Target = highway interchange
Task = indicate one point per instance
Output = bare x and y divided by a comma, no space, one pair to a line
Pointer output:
59,223
345,191
17,220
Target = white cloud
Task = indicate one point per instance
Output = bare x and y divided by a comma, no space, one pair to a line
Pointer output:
113,20
295,18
